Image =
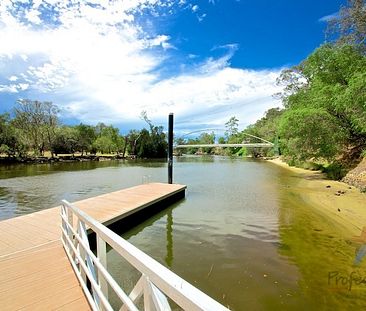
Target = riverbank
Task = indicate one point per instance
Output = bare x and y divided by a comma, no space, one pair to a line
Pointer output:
343,203
60,158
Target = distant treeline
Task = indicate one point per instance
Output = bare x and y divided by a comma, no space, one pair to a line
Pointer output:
36,128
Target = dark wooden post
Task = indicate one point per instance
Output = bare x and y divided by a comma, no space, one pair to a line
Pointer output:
170,149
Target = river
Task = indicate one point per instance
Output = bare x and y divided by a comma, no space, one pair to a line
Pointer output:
242,234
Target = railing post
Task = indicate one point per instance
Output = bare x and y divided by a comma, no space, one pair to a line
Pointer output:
70,221
147,295
81,251
87,259
63,224
102,256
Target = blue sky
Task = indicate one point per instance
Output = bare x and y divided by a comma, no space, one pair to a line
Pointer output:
106,61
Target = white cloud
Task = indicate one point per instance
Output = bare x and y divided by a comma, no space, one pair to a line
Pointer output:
201,17
208,95
98,64
329,17
23,86
195,8
33,16
13,88
8,88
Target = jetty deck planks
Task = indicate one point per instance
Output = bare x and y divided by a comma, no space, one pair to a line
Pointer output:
35,273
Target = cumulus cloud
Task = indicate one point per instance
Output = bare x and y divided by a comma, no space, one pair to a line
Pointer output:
13,78
14,88
100,65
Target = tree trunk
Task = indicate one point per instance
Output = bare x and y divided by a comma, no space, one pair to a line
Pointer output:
125,147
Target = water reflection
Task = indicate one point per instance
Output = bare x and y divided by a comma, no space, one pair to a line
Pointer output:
243,234
169,239
22,170
160,225
33,187
225,234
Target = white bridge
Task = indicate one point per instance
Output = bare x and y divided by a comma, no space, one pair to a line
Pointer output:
253,145
263,144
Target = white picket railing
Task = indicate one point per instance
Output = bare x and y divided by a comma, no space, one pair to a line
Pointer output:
154,286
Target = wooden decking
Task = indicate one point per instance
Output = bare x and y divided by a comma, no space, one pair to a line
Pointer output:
34,271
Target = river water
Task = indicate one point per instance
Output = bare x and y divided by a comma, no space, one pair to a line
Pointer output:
242,234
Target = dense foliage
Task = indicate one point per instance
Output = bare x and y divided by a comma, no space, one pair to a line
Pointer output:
324,98
35,128
326,116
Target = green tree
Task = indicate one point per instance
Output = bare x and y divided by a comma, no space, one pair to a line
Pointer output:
133,137
153,143
149,144
349,26
116,141
37,122
265,128
232,127
66,140
86,137
50,112
207,139
333,95
104,144
9,142
311,133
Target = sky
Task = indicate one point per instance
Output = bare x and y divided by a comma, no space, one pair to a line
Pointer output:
107,61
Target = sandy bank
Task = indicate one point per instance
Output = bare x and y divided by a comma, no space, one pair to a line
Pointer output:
344,204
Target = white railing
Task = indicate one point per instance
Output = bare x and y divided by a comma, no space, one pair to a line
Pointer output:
154,286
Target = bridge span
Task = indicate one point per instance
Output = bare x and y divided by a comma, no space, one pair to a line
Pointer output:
248,145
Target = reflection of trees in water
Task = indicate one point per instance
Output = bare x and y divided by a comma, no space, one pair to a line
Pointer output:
28,188
22,170
169,231
8,203
20,196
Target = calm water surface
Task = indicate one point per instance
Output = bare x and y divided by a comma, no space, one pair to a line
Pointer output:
242,234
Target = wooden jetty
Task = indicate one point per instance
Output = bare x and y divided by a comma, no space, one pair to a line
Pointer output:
35,273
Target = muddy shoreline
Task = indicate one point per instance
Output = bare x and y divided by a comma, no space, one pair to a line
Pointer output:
61,158
337,200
